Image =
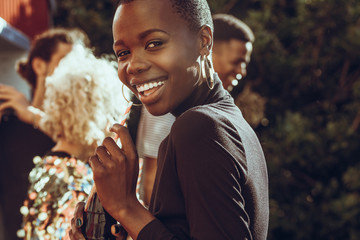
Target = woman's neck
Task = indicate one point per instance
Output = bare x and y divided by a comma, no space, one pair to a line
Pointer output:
39,93
65,146
200,96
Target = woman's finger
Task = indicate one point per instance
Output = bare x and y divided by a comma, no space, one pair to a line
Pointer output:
118,231
127,143
77,222
111,146
9,92
75,233
129,150
5,96
78,215
5,105
104,153
96,165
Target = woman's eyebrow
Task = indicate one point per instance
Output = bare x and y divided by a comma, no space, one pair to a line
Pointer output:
141,36
148,32
117,43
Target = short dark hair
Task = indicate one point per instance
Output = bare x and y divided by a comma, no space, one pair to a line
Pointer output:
227,27
195,12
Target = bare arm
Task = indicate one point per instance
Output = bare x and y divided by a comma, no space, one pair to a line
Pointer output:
12,98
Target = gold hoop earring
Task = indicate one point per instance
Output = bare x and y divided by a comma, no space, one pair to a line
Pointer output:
130,102
207,71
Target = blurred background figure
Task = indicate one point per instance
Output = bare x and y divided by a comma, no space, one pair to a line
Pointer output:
233,45
20,138
81,101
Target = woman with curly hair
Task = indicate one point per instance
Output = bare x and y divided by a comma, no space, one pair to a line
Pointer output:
19,118
80,102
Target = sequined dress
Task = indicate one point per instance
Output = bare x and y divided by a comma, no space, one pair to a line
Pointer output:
57,182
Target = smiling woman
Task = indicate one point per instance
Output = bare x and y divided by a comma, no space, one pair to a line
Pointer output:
211,181
166,51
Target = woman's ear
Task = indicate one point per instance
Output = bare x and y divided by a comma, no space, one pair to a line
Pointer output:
40,66
206,40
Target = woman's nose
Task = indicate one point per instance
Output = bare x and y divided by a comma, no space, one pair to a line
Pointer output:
137,64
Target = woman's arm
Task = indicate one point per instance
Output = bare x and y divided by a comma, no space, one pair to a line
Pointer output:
12,98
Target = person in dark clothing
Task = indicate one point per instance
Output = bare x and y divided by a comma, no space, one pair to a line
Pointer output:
19,143
211,181
20,138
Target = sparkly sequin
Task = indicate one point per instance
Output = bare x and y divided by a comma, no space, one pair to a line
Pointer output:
57,184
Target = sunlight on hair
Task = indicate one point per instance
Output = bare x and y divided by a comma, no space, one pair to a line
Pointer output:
83,98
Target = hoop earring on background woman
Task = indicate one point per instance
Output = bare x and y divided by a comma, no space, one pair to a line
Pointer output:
207,71
130,102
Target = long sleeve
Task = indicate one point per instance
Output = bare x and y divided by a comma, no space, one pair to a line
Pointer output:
156,230
211,181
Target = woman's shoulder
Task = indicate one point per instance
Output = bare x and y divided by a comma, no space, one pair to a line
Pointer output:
195,116
212,114
198,122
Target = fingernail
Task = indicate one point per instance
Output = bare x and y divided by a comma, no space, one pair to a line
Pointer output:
117,229
78,222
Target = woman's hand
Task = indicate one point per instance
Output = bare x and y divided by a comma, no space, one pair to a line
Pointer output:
16,100
77,222
115,173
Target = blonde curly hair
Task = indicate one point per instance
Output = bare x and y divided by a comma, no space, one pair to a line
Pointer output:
82,98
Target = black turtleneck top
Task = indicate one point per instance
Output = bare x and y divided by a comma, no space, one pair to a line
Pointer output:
211,181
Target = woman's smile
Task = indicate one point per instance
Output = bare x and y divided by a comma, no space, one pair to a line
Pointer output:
148,88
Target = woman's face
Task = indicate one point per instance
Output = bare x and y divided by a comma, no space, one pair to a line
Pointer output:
156,53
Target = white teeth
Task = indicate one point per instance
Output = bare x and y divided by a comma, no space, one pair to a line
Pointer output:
147,86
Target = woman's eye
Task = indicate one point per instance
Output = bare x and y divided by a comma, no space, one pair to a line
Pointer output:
122,53
154,44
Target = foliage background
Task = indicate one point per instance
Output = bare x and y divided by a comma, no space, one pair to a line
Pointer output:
306,63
